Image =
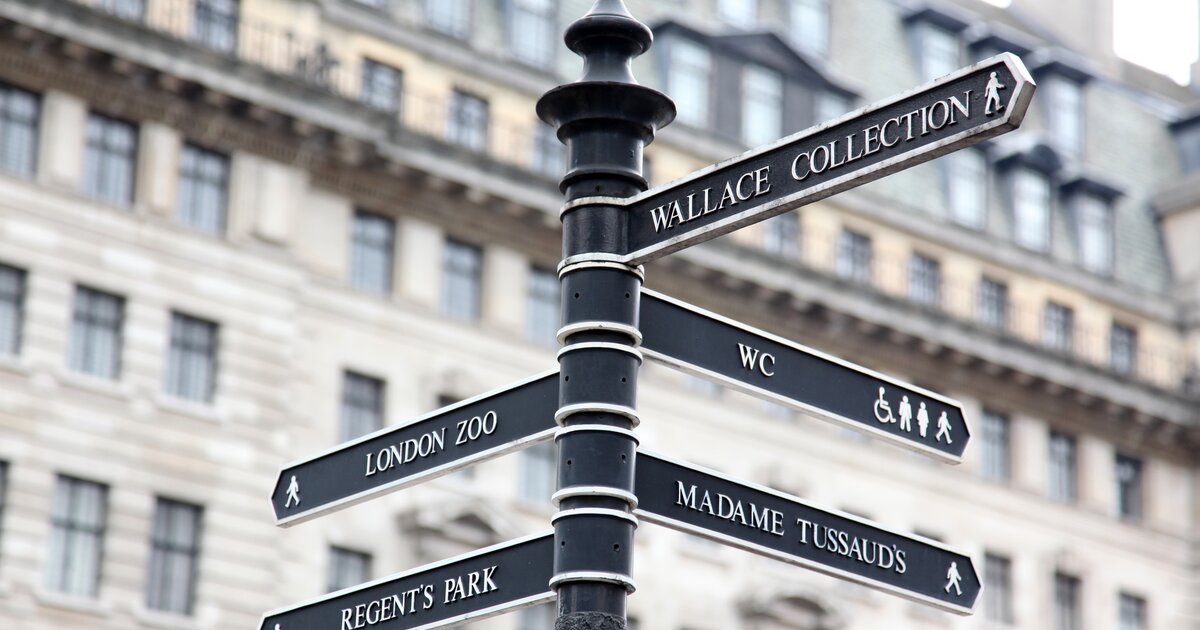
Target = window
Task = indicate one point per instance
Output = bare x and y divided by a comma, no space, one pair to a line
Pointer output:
174,555
1066,602
362,405
537,617
781,235
124,9
1132,613
762,106
702,386
461,280
347,568
1057,324
1031,209
1129,486
966,187
542,317
108,161
452,17
1064,106
203,189
531,31
380,86
192,363
687,81
830,105
1063,484
1093,226
467,125
549,154
77,522
1122,349
3,488
997,455
809,26
938,51
539,465
96,333
18,130
998,596
371,247
740,13
854,256
924,280
215,23
12,299
992,307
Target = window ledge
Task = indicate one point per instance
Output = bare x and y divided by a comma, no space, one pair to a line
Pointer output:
207,412
112,388
73,603
163,619
15,363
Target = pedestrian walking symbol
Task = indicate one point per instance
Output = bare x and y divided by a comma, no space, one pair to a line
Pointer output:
944,428
293,493
953,579
991,96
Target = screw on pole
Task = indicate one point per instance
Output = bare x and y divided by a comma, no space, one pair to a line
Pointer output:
605,119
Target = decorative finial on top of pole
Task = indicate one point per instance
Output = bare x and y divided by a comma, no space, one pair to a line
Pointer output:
606,102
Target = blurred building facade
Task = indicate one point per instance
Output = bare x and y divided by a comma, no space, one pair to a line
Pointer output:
235,233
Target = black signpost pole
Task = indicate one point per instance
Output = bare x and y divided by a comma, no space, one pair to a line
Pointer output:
605,119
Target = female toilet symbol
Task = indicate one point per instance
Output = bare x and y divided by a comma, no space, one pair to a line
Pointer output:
923,420
883,411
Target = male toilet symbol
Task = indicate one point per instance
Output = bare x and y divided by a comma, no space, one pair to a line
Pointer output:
905,414
883,411
991,95
293,493
944,428
952,579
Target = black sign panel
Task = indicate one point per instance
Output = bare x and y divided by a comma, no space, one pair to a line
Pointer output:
775,525
470,587
979,102
450,438
787,373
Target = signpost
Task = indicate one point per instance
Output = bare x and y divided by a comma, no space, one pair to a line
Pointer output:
790,374
772,524
963,108
446,440
470,587
610,228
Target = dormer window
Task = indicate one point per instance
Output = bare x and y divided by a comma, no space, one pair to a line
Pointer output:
452,17
1094,229
809,26
762,110
687,81
741,14
938,50
966,173
1063,99
1031,208
531,31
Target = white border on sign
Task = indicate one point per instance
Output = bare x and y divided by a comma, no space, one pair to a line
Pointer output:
802,562
821,414
1013,114
492,611
425,475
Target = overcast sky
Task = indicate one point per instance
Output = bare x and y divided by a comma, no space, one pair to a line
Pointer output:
1159,34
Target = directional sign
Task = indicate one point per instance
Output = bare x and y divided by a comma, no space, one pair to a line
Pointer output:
450,438
775,525
955,111
473,586
775,369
